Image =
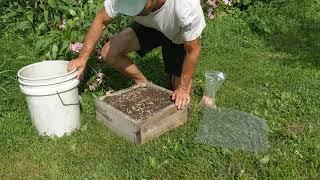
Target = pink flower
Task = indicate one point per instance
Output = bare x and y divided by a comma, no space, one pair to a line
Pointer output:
98,54
62,24
227,2
95,82
100,78
210,13
213,3
75,47
92,85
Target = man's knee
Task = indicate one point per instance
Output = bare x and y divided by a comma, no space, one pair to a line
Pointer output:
109,55
119,45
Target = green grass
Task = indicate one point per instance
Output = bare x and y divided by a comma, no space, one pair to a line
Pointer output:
273,74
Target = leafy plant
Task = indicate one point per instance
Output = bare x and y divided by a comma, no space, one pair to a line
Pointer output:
41,15
233,7
54,23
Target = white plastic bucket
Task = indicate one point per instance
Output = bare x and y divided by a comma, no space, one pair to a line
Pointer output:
52,96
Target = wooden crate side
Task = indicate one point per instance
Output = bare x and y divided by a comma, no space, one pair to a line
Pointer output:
115,128
107,108
167,111
120,91
156,127
159,88
117,122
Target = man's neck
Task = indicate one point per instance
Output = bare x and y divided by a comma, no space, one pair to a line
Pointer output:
159,4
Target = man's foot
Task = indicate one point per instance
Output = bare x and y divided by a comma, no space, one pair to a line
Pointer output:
141,82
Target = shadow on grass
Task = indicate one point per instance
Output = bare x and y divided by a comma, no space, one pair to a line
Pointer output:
302,46
151,66
296,36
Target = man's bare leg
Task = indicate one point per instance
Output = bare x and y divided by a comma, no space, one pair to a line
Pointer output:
115,53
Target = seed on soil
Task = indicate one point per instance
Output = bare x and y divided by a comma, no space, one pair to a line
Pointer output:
140,103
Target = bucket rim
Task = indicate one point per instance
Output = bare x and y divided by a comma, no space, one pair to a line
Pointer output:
39,79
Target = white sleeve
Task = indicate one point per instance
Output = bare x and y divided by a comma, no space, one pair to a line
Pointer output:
109,7
193,25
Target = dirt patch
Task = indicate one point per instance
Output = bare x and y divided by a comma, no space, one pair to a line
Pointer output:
141,102
296,129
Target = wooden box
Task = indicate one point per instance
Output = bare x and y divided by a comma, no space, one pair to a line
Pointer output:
120,112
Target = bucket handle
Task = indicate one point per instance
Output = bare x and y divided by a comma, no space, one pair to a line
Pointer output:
66,104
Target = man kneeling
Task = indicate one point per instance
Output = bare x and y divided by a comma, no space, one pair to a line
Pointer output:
175,25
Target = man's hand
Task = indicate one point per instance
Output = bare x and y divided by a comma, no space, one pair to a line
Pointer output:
79,64
181,98
101,20
181,95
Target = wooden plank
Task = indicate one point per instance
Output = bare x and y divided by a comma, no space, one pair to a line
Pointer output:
159,126
118,129
159,88
167,111
110,110
117,122
121,91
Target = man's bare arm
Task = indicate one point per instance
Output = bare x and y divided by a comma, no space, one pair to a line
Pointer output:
181,95
94,34
193,49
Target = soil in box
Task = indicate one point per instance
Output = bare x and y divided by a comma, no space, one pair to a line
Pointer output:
141,102
140,113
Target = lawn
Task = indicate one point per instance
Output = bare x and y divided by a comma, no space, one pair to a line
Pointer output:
271,57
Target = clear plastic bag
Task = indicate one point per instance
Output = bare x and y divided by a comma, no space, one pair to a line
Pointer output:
213,80
228,128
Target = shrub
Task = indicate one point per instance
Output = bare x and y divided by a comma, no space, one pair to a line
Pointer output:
54,23
39,15
233,7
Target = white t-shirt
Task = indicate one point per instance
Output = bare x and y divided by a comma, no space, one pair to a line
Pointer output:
178,20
